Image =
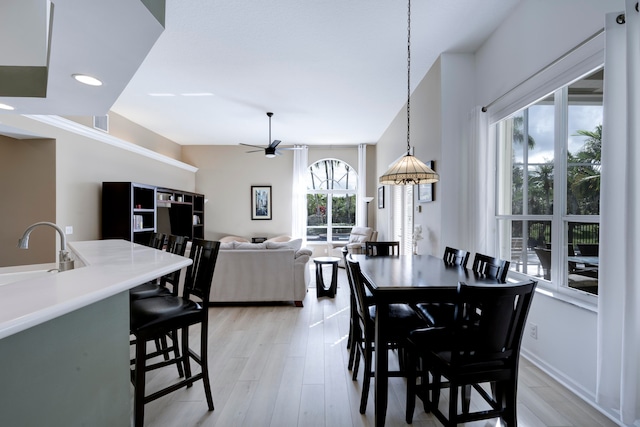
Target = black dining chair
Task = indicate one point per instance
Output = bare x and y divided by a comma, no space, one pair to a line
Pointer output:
382,248
152,318
156,240
402,319
353,312
354,324
488,266
456,256
482,346
441,313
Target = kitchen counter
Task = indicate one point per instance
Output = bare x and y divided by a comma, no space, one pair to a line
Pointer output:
110,267
64,337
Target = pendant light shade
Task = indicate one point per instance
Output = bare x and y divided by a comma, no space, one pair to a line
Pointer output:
409,170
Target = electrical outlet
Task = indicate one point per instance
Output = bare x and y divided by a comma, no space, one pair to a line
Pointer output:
533,331
68,229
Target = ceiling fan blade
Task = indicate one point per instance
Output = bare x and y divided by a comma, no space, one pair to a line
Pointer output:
254,151
274,143
291,148
254,146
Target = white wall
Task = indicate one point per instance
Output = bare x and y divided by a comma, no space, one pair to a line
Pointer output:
441,106
226,173
82,164
537,33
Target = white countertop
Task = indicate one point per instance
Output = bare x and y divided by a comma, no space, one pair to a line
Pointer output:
111,267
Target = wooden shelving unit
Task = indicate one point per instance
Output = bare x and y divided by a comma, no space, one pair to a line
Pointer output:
134,211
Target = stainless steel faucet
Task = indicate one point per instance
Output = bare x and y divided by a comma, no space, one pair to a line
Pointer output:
65,262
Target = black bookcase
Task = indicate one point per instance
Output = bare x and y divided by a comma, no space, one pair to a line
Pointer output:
134,211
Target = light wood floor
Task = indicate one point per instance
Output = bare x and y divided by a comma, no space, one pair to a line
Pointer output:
284,366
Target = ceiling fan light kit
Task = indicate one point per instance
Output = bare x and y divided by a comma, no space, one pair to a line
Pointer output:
271,150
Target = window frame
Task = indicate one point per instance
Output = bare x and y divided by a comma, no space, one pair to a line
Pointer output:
329,208
560,218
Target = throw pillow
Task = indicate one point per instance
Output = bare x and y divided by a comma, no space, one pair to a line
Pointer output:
295,244
227,245
233,239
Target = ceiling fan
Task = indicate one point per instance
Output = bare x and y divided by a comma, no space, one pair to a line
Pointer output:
271,150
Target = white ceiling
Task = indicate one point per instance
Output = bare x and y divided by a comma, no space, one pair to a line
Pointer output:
332,71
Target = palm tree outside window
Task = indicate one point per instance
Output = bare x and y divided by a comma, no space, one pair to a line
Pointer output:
548,195
331,200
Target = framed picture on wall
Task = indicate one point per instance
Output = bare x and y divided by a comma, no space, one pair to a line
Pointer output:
381,197
426,191
260,202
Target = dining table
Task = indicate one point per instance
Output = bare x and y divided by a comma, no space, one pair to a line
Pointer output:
406,279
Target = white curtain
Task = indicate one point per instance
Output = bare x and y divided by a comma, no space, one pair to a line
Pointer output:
361,208
299,193
618,374
482,187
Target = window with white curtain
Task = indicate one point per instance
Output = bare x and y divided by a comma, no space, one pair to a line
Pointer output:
331,200
548,186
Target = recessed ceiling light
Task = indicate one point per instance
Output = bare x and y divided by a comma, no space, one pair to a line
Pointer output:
6,107
88,80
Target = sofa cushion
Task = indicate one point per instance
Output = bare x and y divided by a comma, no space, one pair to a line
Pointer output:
227,245
243,245
294,244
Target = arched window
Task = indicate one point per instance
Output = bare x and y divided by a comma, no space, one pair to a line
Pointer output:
331,200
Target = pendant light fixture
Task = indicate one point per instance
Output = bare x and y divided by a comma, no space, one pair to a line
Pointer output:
409,170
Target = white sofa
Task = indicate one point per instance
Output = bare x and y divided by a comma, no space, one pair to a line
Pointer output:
257,272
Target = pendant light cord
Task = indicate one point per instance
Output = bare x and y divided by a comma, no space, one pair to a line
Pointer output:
408,76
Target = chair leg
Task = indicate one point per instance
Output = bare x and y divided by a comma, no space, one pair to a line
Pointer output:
453,404
139,382
434,402
507,395
411,386
176,352
367,376
356,363
204,365
466,398
354,332
352,321
185,354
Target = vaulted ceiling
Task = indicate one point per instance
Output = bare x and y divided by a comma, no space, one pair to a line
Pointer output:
332,71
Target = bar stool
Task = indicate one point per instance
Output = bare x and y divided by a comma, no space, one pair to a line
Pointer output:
153,318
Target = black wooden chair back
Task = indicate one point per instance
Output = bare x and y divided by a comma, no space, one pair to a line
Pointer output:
382,248
176,245
487,266
156,240
456,256
482,346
